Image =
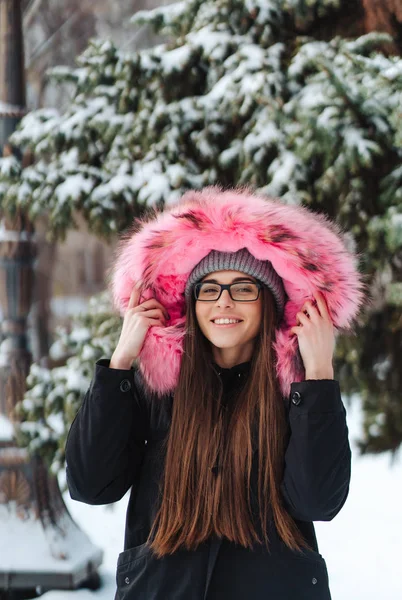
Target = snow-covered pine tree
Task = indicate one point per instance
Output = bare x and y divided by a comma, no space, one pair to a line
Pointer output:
239,94
54,395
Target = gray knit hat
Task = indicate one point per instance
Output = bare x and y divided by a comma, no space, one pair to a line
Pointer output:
243,261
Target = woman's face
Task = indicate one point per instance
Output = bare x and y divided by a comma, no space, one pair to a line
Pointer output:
231,344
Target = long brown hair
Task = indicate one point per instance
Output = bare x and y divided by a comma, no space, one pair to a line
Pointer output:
196,501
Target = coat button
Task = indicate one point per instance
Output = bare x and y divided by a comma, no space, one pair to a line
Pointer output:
127,580
314,580
296,398
125,385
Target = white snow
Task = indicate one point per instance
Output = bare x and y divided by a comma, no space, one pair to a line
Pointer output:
228,156
260,138
176,174
327,117
9,165
88,353
51,551
6,429
8,235
36,126
69,159
212,42
308,52
354,139
6,108
74,379
116,185
313,96
396,219
72,188
254,56
175,59
382,367
5,348
282,170
265,7
154,190
55,421
68,305
362,545
57,350
169,13
71,126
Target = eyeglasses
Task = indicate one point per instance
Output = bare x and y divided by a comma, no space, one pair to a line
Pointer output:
245,291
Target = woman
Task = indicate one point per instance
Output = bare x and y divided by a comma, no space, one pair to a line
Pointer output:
230,430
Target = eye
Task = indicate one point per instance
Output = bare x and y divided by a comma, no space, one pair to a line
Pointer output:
207,287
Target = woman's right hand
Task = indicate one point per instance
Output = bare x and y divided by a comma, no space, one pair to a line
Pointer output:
138,318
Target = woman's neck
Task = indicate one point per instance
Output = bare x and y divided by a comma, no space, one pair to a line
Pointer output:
226,358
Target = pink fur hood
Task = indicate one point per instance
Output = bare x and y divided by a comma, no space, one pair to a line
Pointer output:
305,248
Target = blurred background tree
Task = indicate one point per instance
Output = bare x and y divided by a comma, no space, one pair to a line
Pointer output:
299,99
56,31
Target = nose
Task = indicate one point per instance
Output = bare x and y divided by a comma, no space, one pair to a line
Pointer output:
225,299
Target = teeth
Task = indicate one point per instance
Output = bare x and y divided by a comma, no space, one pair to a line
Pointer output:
225,321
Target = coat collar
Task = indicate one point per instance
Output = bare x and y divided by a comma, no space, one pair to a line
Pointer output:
239,370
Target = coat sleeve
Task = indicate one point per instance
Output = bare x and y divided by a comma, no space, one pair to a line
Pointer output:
106,441
318,457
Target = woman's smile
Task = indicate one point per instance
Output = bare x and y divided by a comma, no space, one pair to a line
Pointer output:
223,325
223,321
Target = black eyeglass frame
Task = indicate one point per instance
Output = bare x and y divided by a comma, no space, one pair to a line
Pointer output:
227,286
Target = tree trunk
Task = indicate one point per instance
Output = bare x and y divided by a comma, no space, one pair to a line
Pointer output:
358,17
384,15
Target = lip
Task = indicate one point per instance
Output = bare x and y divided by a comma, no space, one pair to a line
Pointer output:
227,324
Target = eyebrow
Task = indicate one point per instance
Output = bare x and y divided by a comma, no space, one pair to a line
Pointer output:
233,281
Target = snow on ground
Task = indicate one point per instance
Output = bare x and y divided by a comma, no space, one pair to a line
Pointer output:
362,545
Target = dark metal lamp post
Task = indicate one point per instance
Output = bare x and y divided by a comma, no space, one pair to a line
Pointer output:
41,547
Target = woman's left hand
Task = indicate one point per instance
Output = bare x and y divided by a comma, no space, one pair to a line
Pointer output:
316,338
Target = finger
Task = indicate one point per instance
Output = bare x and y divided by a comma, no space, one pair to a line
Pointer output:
295,330
158,321
134,296
153,303
302,318
154,313
322,305
311,309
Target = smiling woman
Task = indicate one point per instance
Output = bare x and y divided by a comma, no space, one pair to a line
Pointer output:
231,429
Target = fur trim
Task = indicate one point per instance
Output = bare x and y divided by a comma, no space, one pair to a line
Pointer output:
305,248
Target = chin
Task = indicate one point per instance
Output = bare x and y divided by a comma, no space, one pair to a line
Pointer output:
222,346
220,343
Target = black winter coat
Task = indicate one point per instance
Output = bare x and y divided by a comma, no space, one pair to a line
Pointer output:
115,443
